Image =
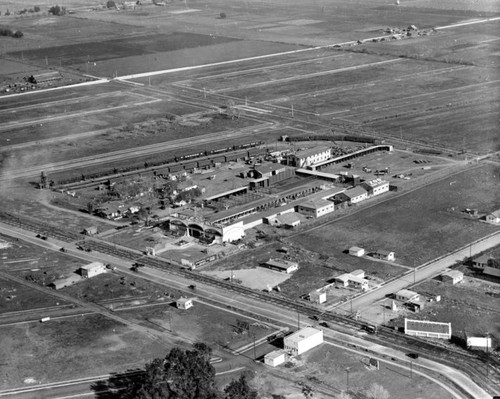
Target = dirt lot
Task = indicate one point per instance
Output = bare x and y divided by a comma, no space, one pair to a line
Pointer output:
433,222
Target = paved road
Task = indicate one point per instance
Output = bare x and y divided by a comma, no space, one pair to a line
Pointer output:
423,272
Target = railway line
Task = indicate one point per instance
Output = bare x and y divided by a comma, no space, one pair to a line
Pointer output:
469,363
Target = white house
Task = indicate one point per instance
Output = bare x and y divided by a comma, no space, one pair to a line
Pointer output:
407,296
355,279
282,265
92,269
428,329
452,276
303,340
356,251
184,303
493,217
385,255
275,358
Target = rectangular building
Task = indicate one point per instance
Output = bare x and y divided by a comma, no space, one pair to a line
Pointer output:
184,303
407,296
428,329
281,265
452,276
92,269
275,358
309,157
303,340
316,208
385,255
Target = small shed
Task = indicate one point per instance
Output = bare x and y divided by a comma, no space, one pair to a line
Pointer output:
452,276
356,251
385,255
317,297
90,231
66,281
275,358
184,303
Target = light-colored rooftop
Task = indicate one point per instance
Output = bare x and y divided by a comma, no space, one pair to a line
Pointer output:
303,334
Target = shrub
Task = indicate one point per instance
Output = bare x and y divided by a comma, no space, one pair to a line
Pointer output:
223,15
18,34
36,9
56,10
111,4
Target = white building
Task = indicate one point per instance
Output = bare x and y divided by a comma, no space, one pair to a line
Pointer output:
281,265
452,276
407,296
309,157
481,343
355,279
428,329
317,297
356,251
303,340
184,303
385,255
275,358
356,194
316,208
92,269
376,187
493,217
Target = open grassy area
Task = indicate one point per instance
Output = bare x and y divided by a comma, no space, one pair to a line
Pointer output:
418,226
97,346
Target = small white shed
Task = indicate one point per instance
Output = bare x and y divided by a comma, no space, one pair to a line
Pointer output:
275,358
184,303
356,251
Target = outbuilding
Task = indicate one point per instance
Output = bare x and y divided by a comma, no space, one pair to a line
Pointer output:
275,358
281,265
303,340
452,276
66,281
90,231
317,297
356,251
184,303
384,255
493,217
407,296
92,269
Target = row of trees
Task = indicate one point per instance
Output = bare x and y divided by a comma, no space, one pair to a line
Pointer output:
57,10
185,374
22,12
9,32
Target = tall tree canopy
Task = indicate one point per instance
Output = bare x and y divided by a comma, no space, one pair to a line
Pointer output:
185,374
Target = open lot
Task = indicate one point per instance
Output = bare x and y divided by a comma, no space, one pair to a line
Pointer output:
433,221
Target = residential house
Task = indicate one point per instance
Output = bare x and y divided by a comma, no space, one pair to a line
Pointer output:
407,296
452,276
383,254
493,217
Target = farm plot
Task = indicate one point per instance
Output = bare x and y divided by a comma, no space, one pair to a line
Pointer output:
119,48
418,226
97,346
71,108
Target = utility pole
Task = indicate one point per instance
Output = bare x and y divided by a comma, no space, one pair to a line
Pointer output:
298,320
254,352
292,110
347,376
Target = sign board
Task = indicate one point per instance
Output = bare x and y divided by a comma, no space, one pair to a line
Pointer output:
243,325
374,363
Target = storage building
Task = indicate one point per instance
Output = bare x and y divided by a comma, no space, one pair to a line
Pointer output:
66,281
92,269
184,303
356,251
275,358
281,265
303,340
316,208
428,329
317,297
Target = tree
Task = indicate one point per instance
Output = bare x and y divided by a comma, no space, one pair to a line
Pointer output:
377,391
239,389
110,4
18,34
183,374
56,10
36,9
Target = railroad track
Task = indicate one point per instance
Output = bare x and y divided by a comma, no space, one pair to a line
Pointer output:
468,363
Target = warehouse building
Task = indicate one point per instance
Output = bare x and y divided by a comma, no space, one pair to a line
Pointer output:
316,208
427,329
281,265
92,269
303,340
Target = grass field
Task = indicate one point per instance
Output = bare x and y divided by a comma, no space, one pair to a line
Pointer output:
433,223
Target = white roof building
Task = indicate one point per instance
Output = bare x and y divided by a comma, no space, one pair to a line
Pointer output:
275,358
92,269
184,303
407,296
303,340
